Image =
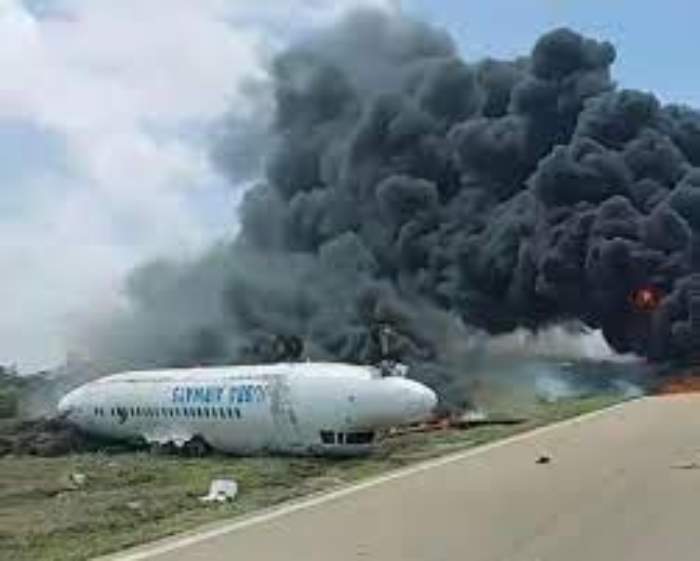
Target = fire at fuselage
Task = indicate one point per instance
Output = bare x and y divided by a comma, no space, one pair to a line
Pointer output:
304,408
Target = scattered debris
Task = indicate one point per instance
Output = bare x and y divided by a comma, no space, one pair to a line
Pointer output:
78,479
541,460
479,419
468,420
196,447
687,465
221,490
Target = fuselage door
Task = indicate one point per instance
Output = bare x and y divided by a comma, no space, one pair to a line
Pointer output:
288,432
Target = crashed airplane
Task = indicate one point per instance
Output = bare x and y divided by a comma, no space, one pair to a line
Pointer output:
288,408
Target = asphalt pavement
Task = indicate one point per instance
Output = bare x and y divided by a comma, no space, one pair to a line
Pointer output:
622,484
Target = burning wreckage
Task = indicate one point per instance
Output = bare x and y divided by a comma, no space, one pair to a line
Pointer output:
302,408
407,187
296,408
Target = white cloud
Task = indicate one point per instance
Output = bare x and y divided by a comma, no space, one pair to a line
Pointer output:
123,84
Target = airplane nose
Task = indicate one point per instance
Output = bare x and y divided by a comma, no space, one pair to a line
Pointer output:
422,402
65,405
428,400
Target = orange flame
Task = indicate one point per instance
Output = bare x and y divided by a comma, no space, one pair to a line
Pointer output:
687,382
646,299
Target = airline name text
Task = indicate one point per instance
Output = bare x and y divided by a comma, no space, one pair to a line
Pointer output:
219,395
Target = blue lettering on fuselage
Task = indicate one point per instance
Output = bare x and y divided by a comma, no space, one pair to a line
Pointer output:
248,393
218,395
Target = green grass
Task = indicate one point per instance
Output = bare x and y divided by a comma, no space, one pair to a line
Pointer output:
131,498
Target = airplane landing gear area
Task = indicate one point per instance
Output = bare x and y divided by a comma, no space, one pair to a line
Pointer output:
196,447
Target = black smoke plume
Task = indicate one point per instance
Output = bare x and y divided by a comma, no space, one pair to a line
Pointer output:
411,188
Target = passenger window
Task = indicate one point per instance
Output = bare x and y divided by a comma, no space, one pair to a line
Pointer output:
238,413
341,438
327,437
199,412
206,412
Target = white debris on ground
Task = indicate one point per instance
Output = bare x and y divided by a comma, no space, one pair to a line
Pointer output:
221,490
474,416
78,479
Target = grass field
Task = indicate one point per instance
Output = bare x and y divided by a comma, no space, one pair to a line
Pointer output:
129,498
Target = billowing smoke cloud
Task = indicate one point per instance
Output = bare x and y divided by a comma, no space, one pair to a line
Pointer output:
408,187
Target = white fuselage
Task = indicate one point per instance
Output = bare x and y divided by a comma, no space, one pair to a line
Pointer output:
301,408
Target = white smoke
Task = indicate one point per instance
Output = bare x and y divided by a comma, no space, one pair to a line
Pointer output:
559,342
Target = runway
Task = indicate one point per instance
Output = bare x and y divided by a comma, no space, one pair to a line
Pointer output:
623,484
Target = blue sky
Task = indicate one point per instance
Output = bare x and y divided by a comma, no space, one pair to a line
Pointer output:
102,160
657,42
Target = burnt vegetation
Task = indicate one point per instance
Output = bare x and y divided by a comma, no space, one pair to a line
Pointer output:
28,425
